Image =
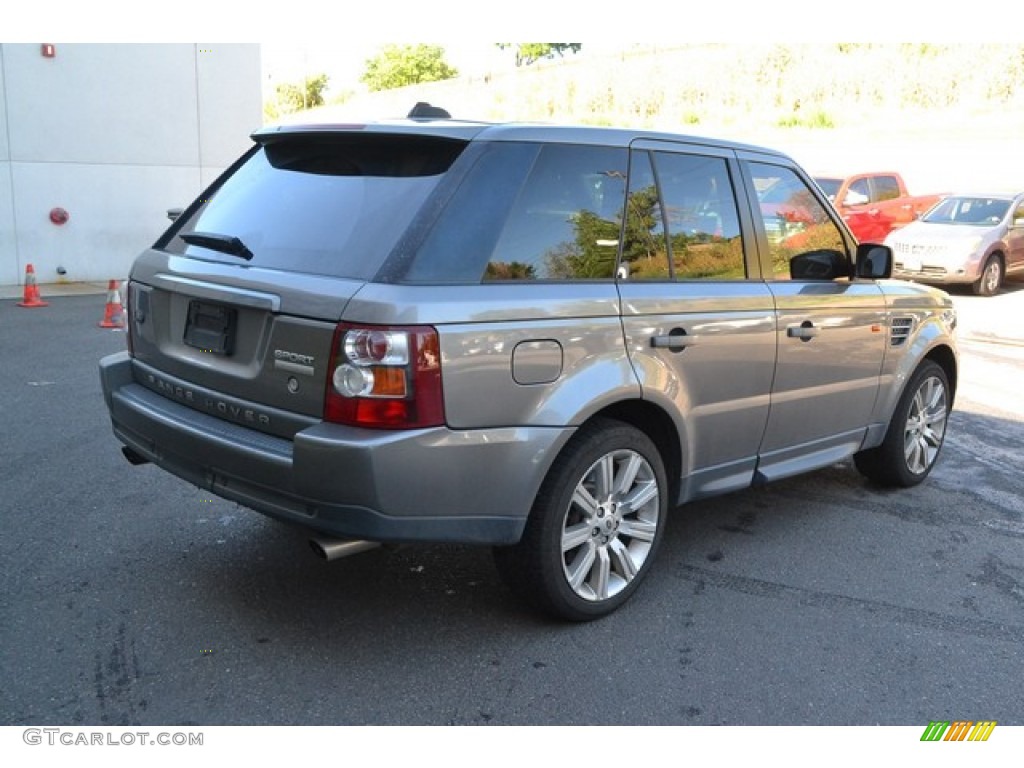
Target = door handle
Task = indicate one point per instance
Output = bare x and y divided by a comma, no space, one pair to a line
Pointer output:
676,340
805,331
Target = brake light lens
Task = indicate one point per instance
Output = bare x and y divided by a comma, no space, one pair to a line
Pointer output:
385,377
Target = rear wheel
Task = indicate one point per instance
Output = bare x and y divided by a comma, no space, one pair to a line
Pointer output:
916,432
595,526
991,277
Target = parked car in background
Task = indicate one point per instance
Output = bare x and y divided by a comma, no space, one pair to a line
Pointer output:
874,204
541,338
966,239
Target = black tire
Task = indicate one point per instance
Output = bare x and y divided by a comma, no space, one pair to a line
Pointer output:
915,434
991,277
595,525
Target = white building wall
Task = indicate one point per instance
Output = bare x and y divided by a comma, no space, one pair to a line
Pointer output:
115,134
9,274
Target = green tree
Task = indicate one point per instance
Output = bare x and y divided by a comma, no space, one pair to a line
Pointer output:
590,254
642,239
510,270
293,97
528,53
399,65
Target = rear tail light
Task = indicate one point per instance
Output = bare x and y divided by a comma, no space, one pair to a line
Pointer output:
386,377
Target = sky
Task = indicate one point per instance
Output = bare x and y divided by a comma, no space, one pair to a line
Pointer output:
353,26
305,37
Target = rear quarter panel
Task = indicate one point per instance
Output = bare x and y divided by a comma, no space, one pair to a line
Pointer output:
515,354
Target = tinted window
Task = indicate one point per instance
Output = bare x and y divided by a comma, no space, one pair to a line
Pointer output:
528,212
325,205
700,213
565,222
829,186
644,245
794,221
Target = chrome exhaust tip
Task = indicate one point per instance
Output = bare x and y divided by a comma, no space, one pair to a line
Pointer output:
333,549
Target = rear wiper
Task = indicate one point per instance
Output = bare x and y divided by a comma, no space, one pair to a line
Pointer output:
223,243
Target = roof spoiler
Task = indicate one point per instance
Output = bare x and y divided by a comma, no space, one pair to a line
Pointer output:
423,109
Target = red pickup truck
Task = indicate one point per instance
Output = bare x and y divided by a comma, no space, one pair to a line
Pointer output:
874,204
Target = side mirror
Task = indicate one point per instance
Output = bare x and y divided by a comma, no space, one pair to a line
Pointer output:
818,265
874,261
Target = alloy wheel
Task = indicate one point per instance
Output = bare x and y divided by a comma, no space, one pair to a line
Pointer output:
926,425
610,525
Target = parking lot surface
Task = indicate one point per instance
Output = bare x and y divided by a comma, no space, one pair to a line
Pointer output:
131,598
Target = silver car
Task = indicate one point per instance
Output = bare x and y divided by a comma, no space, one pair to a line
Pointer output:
964,239
539,338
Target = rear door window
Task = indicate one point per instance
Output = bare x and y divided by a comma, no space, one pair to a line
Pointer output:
331,205
703,225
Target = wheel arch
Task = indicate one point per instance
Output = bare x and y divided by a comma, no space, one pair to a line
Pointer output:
998,255
654,422
946,359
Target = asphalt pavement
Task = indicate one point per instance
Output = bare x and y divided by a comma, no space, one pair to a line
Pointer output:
128,597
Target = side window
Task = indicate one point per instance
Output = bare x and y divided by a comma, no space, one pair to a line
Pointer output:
794,221
886,188
644,247
564,223
700,213
858,193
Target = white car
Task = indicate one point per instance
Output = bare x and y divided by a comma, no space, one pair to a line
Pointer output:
967,239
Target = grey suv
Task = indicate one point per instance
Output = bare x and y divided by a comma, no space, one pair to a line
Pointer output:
535,337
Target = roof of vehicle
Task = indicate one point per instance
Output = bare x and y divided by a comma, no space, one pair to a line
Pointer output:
468,130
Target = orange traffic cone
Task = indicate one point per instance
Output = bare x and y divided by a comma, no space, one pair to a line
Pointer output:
32,298
113,316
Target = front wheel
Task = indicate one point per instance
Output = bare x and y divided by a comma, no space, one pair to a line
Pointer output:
991,277
595,526
915,435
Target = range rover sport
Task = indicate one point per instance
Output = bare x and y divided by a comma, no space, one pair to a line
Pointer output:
540,338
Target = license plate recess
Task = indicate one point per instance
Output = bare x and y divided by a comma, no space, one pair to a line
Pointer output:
211,327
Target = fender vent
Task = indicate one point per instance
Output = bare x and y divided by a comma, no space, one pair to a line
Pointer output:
900,330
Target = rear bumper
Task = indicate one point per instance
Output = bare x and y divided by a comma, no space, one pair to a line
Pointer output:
439,485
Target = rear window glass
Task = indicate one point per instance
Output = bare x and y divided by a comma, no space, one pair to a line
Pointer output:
332,205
